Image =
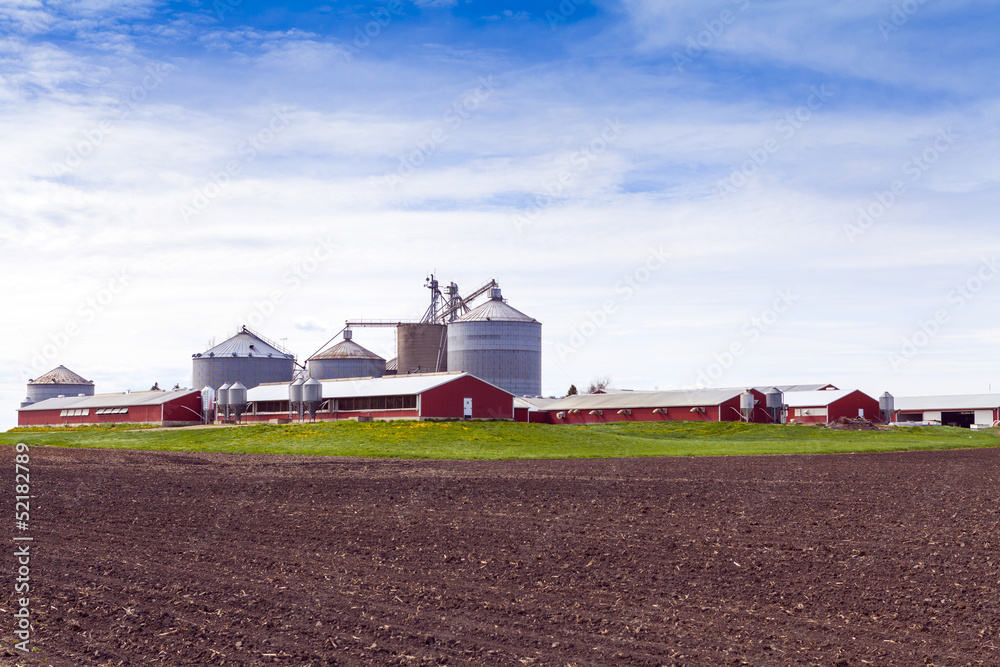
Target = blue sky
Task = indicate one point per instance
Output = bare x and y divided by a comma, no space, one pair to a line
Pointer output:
660,183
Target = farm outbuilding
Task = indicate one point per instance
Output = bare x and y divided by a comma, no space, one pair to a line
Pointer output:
414,396
646,406
963,410
162,408
821,407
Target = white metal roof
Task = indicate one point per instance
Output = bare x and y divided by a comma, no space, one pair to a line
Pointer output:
389,385
784,388
813,399
953,402
646,399
534,402
109,400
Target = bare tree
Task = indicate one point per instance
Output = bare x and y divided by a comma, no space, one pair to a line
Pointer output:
599,384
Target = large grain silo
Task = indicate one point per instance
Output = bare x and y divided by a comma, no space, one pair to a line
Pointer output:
60,381
421,348
499,344
247,358
346,359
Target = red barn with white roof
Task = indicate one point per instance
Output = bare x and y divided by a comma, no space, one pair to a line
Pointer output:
821,407
414,396
164,408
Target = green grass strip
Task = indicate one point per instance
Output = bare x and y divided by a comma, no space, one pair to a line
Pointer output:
509,440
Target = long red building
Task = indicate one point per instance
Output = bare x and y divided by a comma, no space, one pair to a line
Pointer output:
415,396
163,408
649,406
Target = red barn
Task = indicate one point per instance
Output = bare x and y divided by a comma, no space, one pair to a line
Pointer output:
820,407
413,396
648,406
164,408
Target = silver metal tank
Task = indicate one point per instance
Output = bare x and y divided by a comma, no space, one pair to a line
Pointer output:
747,402
312,391
223,395
499,344
247,358
775,401
886,406
346,359
60,381
223,402
237,399
421,348
312,396
295,398
207,401
295,391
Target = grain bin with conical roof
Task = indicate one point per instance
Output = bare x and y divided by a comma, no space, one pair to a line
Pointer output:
499,344
248,358
346,359
60,381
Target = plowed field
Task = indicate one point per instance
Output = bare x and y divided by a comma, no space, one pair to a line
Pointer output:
150,558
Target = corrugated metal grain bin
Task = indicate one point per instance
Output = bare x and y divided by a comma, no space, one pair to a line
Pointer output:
246,358
60,381
499,344
346,359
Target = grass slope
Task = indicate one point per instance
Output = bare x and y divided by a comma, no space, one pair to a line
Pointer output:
508,440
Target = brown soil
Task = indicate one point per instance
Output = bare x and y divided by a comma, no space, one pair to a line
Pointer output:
154,558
